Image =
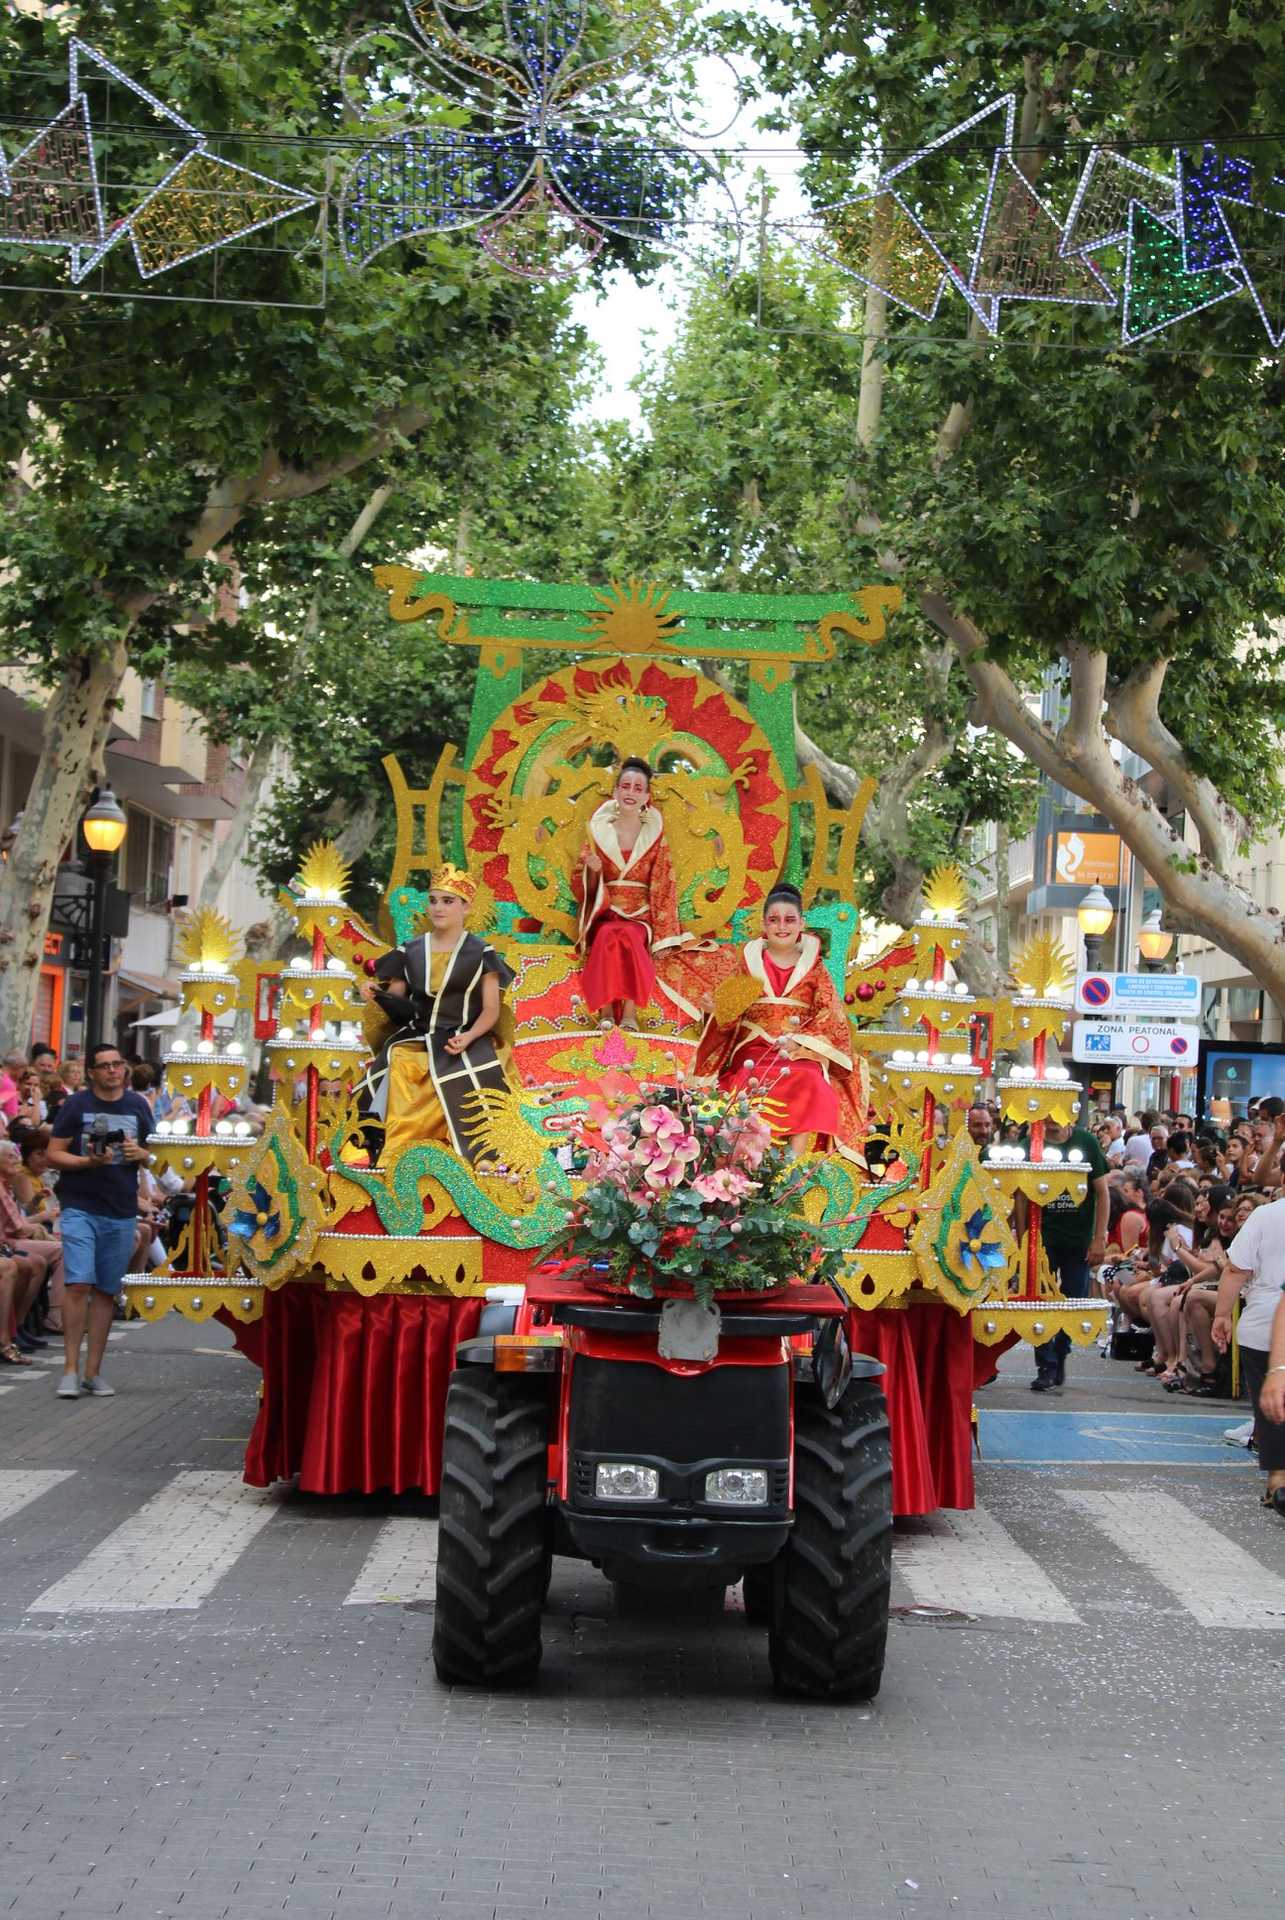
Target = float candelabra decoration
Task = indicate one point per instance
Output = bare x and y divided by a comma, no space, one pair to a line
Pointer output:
319,1035
939,1070
1040,1011
203,1146
548,168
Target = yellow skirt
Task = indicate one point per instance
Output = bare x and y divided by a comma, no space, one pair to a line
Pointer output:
415,1116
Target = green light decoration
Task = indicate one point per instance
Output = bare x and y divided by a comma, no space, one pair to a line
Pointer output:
1157,293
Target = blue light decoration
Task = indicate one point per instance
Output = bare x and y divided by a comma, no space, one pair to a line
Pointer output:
541,180
1202,184
51,199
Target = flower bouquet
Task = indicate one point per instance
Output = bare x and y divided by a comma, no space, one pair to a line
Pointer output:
690,1196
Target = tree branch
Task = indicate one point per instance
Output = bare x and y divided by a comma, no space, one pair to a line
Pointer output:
1133,718
1000,702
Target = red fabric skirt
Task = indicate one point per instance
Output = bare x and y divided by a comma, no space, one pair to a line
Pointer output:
928,1351
803,1099
354,1390
618,965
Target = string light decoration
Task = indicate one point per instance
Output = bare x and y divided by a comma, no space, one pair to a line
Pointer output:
1257,235
49,191
878,242
1020,252
1099,212
1203,184
541,238
1190,240
1158,290
543,184
51,198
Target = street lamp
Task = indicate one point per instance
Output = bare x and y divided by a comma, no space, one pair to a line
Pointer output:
1154,942
104,827
1095,914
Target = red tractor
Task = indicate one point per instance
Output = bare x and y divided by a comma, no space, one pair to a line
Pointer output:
689,1450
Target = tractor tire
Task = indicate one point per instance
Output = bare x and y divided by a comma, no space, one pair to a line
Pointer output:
829,1623
493,1537
756,1589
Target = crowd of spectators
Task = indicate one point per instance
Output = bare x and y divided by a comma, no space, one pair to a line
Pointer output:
1190,1250
35,1162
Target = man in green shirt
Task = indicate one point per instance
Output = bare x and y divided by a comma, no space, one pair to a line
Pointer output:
1075,1239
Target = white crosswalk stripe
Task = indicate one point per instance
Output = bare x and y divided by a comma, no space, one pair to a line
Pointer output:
1214,1579
970,1562
401,1566
18,1488
172,1553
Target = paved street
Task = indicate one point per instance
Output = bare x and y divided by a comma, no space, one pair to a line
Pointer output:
221,1702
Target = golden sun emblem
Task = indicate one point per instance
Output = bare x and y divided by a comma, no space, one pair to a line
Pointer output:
633,619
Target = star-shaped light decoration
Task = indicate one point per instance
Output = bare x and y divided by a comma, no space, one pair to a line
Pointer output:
549,167
51,197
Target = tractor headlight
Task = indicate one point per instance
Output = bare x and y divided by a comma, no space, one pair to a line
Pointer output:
622,1480
737,1486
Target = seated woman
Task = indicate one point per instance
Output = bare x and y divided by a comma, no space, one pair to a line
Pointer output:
792,1040
624,882
443,990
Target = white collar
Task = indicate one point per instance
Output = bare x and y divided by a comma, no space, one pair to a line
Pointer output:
602,830
755,958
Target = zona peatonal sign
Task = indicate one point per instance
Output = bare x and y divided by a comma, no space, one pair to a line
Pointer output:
1138,1042
1127,996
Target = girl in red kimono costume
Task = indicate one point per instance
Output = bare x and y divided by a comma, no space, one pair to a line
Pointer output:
624,882
793,1040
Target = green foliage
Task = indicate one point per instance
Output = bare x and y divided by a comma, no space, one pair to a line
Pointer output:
1128,500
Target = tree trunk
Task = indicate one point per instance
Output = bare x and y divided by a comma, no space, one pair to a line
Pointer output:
71,760
228,850
1003,957
230,847
1199,897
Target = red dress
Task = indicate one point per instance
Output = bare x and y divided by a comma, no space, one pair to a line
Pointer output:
628,911
820,1091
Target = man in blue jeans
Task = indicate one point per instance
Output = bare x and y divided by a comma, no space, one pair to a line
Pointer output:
98,1145
1075,1240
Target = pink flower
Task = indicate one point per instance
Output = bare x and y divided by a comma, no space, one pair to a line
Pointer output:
749,1138
665,1159
662,1122
725,1183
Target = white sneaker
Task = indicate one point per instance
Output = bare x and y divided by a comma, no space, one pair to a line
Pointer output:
69,1387
97,1387
1239,1436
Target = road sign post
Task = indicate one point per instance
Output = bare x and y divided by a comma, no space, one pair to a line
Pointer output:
1170,1044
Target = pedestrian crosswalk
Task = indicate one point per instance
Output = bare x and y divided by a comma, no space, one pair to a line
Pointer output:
174,1551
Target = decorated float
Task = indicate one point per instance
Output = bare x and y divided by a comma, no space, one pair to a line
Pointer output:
352,1247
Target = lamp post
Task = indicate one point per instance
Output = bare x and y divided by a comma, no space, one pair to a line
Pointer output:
1154,942
1095,914
104,826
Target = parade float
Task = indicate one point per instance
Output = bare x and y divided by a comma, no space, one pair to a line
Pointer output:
351,1275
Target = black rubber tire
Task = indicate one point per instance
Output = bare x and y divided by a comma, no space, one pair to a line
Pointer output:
493,1531
756,1590
829,1624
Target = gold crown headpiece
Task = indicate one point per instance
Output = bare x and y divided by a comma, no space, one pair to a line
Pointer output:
452,879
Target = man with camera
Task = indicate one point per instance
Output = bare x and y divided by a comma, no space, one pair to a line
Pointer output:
98,1146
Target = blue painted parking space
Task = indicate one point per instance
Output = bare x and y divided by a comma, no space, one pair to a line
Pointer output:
1049,1438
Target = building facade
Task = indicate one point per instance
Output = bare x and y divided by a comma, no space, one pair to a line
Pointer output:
179,794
